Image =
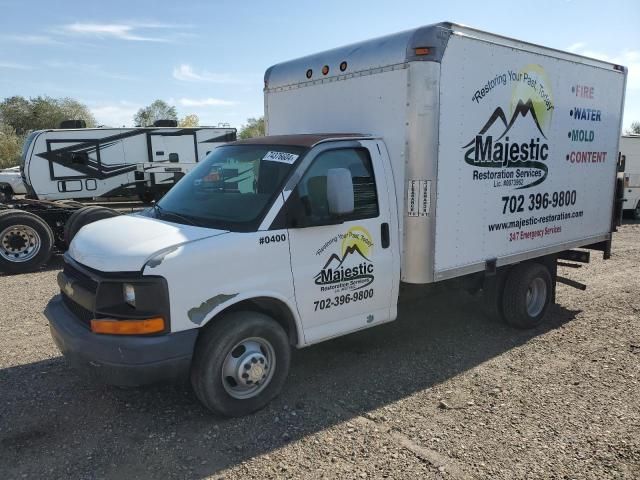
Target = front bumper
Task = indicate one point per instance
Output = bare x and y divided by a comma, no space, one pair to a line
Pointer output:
120,360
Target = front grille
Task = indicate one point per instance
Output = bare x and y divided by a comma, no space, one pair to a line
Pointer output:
84,280
82,314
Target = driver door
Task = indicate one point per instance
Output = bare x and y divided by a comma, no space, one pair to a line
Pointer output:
342,266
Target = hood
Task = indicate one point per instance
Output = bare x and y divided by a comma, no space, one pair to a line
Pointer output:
127,242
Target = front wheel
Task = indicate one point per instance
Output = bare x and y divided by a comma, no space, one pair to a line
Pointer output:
527,294
240,364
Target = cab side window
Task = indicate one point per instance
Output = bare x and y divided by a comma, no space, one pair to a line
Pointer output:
309,205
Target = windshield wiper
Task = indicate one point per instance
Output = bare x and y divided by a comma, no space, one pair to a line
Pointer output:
160,212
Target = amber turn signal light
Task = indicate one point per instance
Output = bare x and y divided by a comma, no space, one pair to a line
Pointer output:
111,326
423,51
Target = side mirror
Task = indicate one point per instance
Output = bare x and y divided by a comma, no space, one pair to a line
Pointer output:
340,196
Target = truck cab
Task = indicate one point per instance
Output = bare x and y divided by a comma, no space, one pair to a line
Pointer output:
268,243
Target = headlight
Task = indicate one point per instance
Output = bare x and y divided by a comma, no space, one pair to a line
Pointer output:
129,294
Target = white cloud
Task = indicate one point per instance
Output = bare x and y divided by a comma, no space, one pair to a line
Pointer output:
205,102
31,39
186,73
15,66
576,46
134,31
115,114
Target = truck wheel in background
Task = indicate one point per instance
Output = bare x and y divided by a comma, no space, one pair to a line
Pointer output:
146,197
240,363
26,241
636,212
527,294
85,216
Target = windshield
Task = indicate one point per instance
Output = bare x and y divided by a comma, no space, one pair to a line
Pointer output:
231,188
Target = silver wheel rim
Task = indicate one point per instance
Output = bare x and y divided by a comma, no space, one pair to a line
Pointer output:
248,368
536,297
19,243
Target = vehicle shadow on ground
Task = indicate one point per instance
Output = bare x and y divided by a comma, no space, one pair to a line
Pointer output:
56,423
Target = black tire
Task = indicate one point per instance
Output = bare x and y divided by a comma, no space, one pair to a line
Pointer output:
527,295
85,216
492,291
146,197
636,212
212,348
24,261
69,226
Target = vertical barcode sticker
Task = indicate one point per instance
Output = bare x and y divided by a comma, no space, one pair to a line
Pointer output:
418,198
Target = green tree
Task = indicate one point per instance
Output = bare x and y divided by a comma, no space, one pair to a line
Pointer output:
42,112
253,128
635,129
189,121
158,110
10,146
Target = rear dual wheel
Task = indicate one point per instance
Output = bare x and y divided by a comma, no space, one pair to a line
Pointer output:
84,216
521,297
26,241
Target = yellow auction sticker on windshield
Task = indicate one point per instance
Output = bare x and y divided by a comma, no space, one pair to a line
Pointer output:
283,157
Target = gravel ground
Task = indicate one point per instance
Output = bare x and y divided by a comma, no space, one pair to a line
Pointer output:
443,392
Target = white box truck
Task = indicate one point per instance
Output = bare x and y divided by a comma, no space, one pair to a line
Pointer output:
630,151
457,155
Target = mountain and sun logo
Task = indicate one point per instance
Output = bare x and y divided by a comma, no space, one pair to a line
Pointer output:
351,267
515,145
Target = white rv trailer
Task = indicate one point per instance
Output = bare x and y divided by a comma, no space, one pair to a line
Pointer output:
630,149
459,155
99,162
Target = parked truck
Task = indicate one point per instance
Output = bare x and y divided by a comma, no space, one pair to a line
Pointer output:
457,157
11,183
630,151
61,166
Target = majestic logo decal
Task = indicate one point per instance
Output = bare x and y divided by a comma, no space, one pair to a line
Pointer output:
351,268
515,145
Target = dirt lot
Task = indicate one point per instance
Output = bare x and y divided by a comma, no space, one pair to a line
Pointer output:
442,393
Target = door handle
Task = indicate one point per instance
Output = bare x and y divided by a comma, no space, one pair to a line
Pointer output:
384,235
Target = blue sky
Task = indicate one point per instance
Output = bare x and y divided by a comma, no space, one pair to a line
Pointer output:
208,57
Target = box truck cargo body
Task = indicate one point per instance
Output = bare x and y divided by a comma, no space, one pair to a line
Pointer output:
499,149
630,150
453,156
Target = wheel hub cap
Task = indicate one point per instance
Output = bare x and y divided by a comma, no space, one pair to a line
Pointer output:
536,297
19,243
253,369
248,368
